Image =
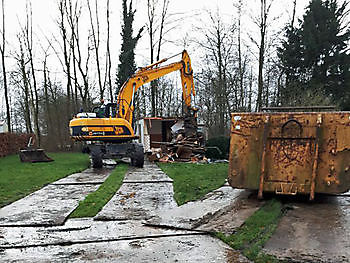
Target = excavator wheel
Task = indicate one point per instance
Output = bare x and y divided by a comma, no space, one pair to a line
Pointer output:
96,158
137,159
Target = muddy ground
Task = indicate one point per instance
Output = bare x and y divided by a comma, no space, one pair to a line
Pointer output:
142,223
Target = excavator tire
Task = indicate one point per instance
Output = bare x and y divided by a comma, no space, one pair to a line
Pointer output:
96,158
137,159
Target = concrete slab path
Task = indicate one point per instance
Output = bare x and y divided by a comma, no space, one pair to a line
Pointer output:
78,231
191,248
196,215
52,204
122,237
88,176
144,192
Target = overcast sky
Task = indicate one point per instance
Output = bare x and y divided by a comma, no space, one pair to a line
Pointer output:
190,12
45,13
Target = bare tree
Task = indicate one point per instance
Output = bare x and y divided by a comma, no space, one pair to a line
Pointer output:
2,51
96,44
73,16
263,16
62,6
240,59
48,115
218,45
108,78
27,34
262,24
19,78
153,29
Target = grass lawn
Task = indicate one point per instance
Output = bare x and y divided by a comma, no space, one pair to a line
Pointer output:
255,231
95,201
193,181
20,179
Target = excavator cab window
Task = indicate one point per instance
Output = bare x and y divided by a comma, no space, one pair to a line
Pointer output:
100,111
111,110
106,111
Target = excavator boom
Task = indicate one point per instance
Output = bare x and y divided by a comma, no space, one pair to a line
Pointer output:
152,72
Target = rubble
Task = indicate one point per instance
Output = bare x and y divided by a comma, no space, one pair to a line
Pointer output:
182,149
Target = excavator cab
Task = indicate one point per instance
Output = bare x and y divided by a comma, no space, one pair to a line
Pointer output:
105,111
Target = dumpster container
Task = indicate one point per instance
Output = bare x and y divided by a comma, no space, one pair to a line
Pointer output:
290,152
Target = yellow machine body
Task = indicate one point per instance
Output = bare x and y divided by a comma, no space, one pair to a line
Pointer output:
101,129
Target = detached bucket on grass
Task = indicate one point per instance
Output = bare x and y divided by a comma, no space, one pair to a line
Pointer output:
34,156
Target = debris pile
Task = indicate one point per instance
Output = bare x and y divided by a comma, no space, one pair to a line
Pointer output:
186,147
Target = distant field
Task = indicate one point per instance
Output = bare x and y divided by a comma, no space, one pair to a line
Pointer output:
193,181
20,179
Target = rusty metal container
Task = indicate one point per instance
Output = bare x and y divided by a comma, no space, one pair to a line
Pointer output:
290,152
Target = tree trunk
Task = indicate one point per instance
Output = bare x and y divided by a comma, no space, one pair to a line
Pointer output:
261,55
2,50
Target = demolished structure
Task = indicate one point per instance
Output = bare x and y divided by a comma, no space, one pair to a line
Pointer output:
172,139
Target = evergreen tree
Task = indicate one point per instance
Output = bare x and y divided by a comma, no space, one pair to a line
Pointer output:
127,65
290,56
314,54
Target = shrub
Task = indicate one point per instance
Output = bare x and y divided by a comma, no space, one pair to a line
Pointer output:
223,143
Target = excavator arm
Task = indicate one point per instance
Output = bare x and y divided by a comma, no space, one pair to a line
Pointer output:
126,96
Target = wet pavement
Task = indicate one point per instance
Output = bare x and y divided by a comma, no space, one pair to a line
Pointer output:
196,215
185,248
142,223
148,174
144,193
52,204
80,231
314,232
228,220
138,201
48,206
88,176
118,232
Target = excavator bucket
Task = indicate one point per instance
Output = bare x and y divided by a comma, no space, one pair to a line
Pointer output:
34,156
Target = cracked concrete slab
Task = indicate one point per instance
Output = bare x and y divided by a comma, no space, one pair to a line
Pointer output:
229,219
199,248
89,176
138,201
144,192
193,214
76,231
314,232
47,206
149,173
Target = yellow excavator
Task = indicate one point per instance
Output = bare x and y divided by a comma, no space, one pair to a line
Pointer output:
108,129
